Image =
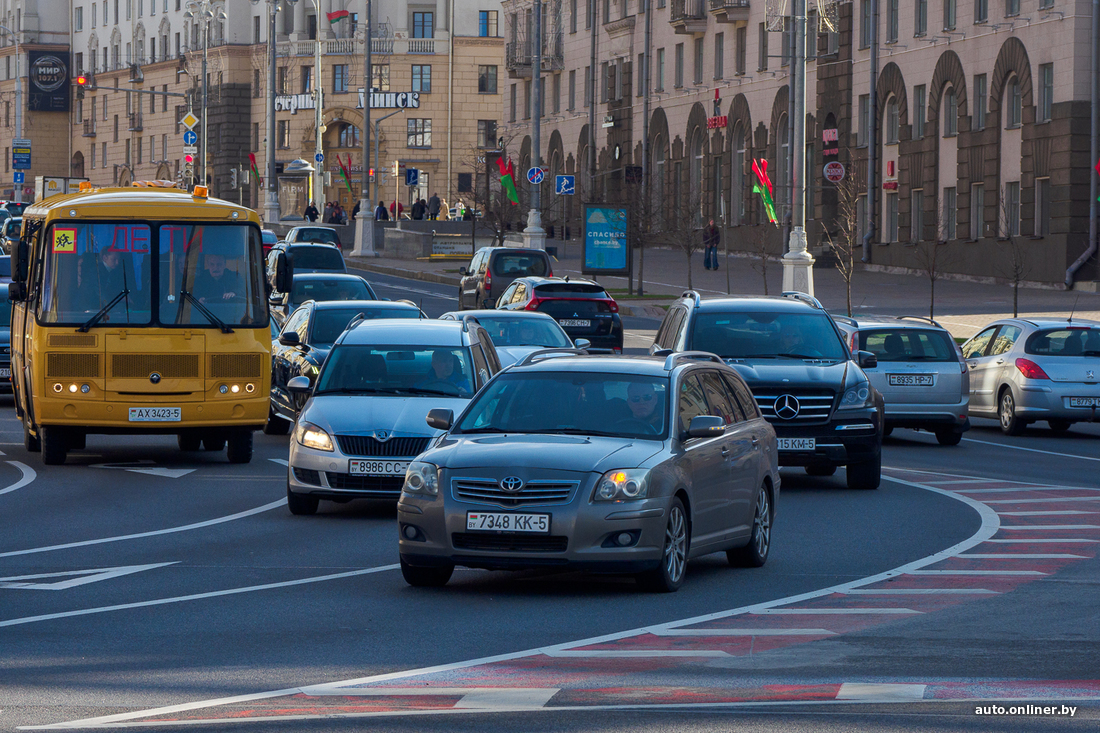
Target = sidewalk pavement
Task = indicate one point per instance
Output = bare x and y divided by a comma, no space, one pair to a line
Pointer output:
962,307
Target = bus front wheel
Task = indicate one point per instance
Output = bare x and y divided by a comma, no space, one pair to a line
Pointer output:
30,441
240,446
55,445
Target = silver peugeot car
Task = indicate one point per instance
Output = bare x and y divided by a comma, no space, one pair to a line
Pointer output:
363,423
608,464
1024,370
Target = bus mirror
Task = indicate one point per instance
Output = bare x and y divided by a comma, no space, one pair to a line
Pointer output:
284,273
20,255
17,292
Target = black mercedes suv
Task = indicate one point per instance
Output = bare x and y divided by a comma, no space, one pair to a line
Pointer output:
807,383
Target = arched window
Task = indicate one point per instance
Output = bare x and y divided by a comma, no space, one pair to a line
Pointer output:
1013,103
349,137
737,177
695,191
950,113
892,121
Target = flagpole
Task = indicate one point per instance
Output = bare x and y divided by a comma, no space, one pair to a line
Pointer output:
364,222
534,236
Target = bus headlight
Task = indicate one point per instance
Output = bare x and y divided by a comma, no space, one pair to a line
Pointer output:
235,388
57,387
223,388
250,388
72,388
85,388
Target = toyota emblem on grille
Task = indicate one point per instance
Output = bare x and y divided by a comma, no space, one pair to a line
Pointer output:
381,436
786,407
511,484
154,378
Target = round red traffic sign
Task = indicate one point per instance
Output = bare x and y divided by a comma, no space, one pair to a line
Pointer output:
834,171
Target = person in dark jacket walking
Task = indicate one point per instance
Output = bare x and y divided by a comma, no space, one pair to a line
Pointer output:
711,237
419,209
311,212
355,210
380,214
433,207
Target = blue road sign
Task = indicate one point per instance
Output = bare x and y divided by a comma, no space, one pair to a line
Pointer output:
190,137
19,177
566,185
319,158
535,175
412,177
21,154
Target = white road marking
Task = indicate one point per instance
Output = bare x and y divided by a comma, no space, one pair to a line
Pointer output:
145,466
1043,514
1029,540
196,596
83,577
153,533
743,632
1031,450
28,476
1020,556
280,461
1025,490
916,591
481,698
875,692
831,611
1038,527
1042,501
635,653
976,572
988,527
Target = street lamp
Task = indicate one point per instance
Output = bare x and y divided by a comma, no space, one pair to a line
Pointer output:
364,222
18,104
204,11
318,125
271,191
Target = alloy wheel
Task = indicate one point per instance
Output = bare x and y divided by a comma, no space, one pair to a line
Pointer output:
676,544
762,524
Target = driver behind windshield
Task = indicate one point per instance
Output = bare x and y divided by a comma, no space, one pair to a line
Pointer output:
444,370
216,282
643,402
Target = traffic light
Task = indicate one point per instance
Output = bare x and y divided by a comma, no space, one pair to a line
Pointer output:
81,82
232,177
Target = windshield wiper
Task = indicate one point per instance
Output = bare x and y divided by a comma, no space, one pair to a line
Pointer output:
579,431
424,390
205,311
486,429
806,356
357,390
104,310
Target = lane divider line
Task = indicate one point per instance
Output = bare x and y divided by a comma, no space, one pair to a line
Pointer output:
1021,556
152,533
1031,450
28,476
830,611
197,596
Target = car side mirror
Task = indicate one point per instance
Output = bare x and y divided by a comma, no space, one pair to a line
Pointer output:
284,273
20,259
706,426
289,338
462,271
866,360
298,385
582,343
661,352
440,419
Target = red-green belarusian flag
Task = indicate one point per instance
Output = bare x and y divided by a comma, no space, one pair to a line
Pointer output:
337,15
507,180
255,171
344,171
764,188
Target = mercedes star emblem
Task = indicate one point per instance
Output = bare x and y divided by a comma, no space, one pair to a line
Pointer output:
786,407
154,378
511,484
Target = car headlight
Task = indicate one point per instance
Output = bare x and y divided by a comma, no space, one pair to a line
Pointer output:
422,478
622,484
857,397
312,436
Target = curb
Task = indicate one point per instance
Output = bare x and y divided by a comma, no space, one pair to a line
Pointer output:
432,277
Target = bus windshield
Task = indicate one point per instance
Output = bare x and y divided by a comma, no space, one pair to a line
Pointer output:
145,273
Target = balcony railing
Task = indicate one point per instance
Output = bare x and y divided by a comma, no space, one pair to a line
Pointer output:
349,47
135,122
729,11
519,56
89,128
421,45
688,16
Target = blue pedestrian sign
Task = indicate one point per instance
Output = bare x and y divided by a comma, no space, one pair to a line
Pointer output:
412,177
319,158
566,185
190,137
535,175
19,177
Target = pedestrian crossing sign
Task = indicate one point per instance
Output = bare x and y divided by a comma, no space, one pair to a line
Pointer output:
64,240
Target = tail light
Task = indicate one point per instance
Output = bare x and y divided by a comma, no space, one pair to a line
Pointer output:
533,305
551,273
1030,369
612,305
855,342
488,279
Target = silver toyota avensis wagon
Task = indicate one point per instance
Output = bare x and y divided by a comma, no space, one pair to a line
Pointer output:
608,464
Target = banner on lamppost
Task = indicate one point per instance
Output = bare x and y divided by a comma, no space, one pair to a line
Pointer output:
48,81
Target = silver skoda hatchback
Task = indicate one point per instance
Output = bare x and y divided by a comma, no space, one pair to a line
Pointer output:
607,464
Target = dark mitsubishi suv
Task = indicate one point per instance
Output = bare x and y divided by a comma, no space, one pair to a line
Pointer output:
806,382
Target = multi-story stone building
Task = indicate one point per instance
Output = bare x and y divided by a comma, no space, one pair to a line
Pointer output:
982,121
448,65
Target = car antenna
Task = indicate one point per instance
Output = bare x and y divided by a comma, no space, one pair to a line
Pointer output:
421,308
566,278
1073,309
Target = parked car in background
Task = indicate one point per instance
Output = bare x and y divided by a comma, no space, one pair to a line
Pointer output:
493,269
315,234
516,334
12,230
1025,370
636,465
363,423
319,286
304,259
14,209
5,269
308,334
269,240
581,307
5,339
920,373
807,384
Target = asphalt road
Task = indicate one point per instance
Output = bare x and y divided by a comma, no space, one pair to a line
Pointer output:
137,577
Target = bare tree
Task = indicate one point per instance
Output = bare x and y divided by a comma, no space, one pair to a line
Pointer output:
932,258
845,240
683,228
1015,266
760,252
644,224
498,213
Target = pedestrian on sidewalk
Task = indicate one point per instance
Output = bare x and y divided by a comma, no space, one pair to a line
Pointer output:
433,207
311,212
711,237
380,214
355,210
327,217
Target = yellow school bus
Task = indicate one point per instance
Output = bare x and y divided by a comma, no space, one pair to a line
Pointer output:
140,310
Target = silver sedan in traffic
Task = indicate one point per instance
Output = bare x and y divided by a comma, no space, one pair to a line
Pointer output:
1024,370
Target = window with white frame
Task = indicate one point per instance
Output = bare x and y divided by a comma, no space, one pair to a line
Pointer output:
1046,92
419,133
920,109
950,113
949,214
980,95
1013,104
